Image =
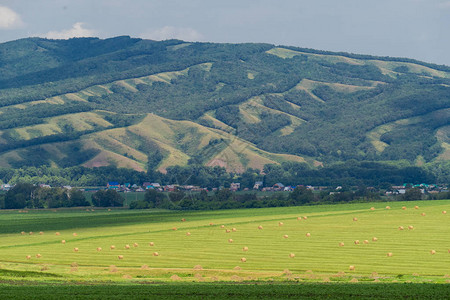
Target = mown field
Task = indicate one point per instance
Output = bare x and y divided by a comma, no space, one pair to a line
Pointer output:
288,249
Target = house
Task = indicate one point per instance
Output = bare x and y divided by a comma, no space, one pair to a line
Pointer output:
288,188
112,185
127,185
44,186
278,186
235,186
147,185
170,188
6,187
258,185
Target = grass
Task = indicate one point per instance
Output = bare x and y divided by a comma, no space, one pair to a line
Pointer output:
318,258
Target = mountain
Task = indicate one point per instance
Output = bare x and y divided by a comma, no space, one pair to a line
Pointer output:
145,104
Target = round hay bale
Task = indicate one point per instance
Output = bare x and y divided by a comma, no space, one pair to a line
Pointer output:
31,233
38,255
57,233
112,247
291,255
305,218
243,259
355,219
174,228
74,265
41,233
237,268
151,244
126,276
389,254
99,249
28,256
188,233
416,207
326,279
448,250
285,236
280,224
444,212
75,249
198,267
175,277
135,245
260,227
113,269
404,207
234,229
308,234
354,280
211,224
230,240
245,248
433,252
351,268
120,256
227,230
183,220
388,207
401,228
423,214
222,226
63,241
155,254
372,208
410,227
127,246
75,234
374,239
341,244
357,242
87,209
22,233
366,242
109,209
299,218
145,267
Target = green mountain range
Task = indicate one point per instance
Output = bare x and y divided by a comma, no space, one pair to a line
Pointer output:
145,104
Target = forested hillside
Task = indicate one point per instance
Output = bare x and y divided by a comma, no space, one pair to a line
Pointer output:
144,105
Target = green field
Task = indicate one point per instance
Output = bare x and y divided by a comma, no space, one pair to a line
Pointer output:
208,255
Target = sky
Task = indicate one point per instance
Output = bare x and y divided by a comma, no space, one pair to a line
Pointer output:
418,29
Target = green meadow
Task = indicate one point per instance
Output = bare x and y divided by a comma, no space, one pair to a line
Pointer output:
289,248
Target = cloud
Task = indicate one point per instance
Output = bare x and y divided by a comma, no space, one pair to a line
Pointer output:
77,30
9,18
171,32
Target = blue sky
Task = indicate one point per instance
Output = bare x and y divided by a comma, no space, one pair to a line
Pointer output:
407,28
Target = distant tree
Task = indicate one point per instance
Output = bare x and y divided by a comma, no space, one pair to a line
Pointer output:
107,198
412,194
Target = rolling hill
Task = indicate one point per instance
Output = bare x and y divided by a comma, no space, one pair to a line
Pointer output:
144,104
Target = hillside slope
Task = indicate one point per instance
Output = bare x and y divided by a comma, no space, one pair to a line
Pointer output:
144,104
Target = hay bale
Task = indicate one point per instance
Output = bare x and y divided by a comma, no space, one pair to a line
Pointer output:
285,236
145,267
236,278
63,241
188,233
228,231
433,252
372,208
198,267
260,227
75,234
112,247
174,228
341,244
44,268
234,229
237,268
120,256
75,249
127,276
401,228
355,219
155,254
183,220
356,242
366,242
287,272
388,207
127,246
305,218
351,268
308,234
74,265
135,245
222,226
109,209
389,254
243,259
245,248
299,218
199,277
444,212
374,274
38,255
291,255
448,250
41,233
230,240
354,280
423,214
22,233
151,244
374,239
57,233
28,256
31,233
416,207
326,279
99,249
211,224
280,224
404,207
410,227
113,269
